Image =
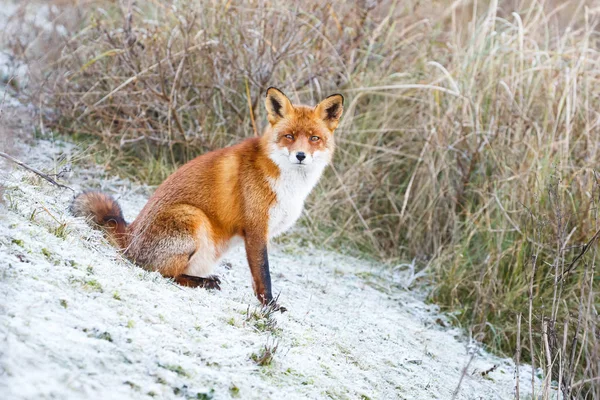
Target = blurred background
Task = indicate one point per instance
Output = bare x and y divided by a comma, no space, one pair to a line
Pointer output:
468,151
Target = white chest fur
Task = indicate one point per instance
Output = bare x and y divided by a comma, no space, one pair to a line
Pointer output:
291,189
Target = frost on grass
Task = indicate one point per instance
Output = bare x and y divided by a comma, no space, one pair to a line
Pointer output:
79,321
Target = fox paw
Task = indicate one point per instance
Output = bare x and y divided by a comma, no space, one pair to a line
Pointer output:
272,304
277,307
209,282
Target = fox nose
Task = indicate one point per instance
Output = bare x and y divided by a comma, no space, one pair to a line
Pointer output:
300,156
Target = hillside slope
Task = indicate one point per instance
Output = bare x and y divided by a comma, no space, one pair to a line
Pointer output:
78,321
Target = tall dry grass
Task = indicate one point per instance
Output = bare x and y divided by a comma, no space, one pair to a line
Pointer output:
470,139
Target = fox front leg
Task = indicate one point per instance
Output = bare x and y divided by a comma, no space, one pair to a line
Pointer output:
258,260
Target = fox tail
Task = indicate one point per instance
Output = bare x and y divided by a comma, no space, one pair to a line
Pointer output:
104,213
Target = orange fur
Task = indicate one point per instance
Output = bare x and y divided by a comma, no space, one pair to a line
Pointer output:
189,222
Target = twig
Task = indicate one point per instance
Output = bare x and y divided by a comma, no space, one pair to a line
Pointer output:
462,376
584,250
404,87
251,110
585,381
489,370
546,344
4,98
518,358
35,171
530,321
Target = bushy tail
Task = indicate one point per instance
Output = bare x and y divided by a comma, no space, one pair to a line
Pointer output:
104,213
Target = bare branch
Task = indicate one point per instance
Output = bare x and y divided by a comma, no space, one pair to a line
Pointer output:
35,171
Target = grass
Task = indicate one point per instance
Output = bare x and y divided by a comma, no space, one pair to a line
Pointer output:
262,319
469,141
178,369
95,333
234,391
264,356
91,285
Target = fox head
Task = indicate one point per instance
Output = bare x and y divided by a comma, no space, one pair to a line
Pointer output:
301,137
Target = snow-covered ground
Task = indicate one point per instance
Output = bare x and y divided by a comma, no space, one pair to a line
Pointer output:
78,321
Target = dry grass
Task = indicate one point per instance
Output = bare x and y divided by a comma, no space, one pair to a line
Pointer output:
470,138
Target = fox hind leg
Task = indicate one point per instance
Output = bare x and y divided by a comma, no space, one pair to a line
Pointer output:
202,262
179,244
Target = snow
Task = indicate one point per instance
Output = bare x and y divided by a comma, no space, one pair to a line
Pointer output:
78,321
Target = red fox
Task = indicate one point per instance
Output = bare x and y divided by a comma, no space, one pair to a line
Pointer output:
254,190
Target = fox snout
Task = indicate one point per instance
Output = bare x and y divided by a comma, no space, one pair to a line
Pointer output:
300,157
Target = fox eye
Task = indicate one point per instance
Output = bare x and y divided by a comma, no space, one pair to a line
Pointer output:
314,138
291,137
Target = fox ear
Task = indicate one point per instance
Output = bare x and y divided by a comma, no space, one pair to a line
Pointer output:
330,110
277,104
